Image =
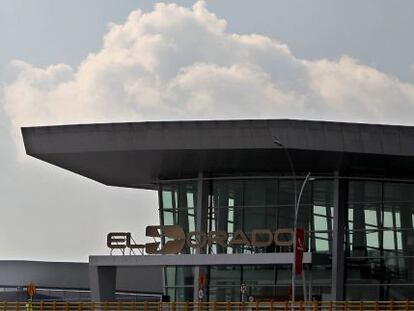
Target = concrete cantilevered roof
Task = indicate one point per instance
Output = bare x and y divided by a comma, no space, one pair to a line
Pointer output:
139,154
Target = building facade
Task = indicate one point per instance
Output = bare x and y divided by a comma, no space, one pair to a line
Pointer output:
375,261
227,184
70,281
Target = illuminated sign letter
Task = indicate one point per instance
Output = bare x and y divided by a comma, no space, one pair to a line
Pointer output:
174,246
133,246
218,237
196,239
174,238
287,241
262,237
239,238
117,240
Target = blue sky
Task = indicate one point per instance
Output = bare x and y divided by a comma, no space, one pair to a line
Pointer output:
341,60
376,32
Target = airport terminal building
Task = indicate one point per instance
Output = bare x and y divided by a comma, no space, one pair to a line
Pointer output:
228,189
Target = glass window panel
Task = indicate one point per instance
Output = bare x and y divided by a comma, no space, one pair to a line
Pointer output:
260,193
225,275
178,206
315,214
397,220
321,226
286,204
350,226
223,219
187,195
379,249
399,240
259,275
168,198
169,217
170,276
184,294
224,293
191,221
364,191
371,226
364,212
184,276
389,242
259,204
398,192
381,270
319,210
179,282
190,199
285,215
230,222
227,193
226,210
268,293
283,274
171,294
372,239
257,218
388,219
320,223
322,192
366,292
321,243
371,217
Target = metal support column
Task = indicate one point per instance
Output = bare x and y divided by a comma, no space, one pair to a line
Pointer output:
200,226
338,235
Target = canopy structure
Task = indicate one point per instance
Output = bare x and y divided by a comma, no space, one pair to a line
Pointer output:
140,154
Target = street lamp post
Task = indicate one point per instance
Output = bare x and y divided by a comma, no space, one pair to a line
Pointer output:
295,220
307,178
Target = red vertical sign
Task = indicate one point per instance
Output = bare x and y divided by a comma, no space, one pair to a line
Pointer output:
300,247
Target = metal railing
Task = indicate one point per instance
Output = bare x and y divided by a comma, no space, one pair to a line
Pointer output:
210,306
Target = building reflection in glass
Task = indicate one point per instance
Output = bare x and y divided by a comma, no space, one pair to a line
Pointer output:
247,205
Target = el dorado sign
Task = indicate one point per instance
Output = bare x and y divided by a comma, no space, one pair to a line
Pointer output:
176,239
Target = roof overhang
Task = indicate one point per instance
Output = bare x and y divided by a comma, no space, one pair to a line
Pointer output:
140,154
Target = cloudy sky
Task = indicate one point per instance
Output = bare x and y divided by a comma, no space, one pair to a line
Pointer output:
105,61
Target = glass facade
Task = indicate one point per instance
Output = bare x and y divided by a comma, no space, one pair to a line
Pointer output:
179,283
246,205
178,206
380,240
378,236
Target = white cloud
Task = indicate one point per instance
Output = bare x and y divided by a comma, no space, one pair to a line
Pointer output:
171,63
179,63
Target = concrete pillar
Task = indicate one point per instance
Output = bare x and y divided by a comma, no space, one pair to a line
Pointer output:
102,282
338,235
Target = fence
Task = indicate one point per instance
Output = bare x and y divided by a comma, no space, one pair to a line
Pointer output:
210,306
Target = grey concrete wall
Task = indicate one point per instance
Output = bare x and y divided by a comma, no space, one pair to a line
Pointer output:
139,279
103,283
44,274
105,279
69,275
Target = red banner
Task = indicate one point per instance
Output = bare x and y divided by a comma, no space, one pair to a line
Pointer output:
300,248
